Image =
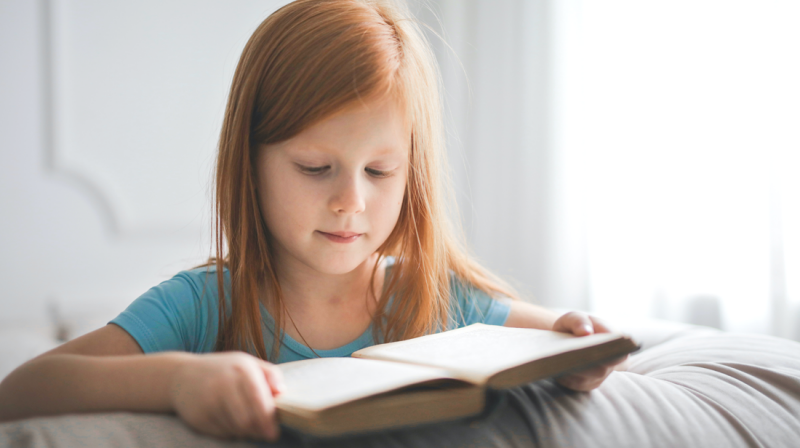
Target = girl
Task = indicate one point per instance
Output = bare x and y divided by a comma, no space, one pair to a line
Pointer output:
331,229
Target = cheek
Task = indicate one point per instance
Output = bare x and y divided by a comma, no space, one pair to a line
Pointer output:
283,202
388,208
267,200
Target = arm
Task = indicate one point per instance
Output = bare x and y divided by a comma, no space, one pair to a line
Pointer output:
220,394
526,315
69,379
66,383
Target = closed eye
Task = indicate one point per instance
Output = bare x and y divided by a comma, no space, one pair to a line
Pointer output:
377,173
313,170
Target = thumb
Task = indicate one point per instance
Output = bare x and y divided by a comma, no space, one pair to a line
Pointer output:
274,377
583,327
576,323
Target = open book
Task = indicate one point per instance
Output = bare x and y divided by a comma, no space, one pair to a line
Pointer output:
432,378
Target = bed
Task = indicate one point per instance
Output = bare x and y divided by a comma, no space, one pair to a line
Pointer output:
688,386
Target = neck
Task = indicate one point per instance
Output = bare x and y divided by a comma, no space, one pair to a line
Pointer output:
307,291
325,311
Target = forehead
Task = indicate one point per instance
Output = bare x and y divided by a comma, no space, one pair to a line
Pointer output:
379,126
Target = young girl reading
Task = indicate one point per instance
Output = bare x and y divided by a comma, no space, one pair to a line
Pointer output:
331,232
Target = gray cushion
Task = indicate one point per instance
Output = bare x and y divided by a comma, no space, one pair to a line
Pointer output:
692,388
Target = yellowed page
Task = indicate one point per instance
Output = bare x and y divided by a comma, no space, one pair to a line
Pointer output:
476,352
317,384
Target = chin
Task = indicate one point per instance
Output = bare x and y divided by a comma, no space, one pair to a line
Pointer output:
338,265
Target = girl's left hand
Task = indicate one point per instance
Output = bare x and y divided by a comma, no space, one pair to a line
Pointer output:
581,324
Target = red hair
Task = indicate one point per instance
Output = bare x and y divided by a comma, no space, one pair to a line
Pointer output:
306,61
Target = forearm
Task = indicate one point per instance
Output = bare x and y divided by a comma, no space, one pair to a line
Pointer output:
62,383
527,315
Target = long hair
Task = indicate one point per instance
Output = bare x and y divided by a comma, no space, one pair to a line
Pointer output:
306,61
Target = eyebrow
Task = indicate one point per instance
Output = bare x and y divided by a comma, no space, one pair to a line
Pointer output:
385,149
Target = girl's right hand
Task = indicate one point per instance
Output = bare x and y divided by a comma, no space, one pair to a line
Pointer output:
228,394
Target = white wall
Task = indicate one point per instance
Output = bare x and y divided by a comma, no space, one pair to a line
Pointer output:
110,115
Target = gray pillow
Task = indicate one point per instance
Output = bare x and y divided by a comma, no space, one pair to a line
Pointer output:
688,389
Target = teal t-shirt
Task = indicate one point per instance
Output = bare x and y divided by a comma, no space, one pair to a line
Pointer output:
182,314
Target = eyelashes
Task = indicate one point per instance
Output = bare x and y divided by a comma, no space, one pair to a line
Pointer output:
313,169
317,170
377,173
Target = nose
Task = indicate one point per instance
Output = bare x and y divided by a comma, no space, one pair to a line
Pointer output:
348,195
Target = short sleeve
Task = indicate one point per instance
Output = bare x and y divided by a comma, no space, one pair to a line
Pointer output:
471,305
179,314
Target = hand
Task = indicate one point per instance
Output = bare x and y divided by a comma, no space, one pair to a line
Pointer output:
228,394
581,324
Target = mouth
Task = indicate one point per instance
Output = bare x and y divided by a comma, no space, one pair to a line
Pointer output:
341,237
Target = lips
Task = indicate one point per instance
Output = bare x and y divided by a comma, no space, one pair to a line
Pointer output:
343,234
341,237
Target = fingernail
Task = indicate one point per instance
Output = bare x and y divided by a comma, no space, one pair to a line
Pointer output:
588,329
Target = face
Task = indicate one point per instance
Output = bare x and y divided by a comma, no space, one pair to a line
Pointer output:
331,195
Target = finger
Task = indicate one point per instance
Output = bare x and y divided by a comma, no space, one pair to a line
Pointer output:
575,383
224,419
239,414
615,361
250,426
586,380
574,322
215,428
219,416
583,384
599,325
590,373
623,366
579,324
595,372
274,377
598,376
262,406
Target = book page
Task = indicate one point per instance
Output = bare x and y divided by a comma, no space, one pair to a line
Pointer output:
478,351
317,384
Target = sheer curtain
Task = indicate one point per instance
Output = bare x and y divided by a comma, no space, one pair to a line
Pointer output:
680,150
632,158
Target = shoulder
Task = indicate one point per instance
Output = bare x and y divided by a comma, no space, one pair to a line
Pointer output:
201,278
470,304
186,287
178,314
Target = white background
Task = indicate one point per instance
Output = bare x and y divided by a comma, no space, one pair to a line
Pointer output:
632,158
